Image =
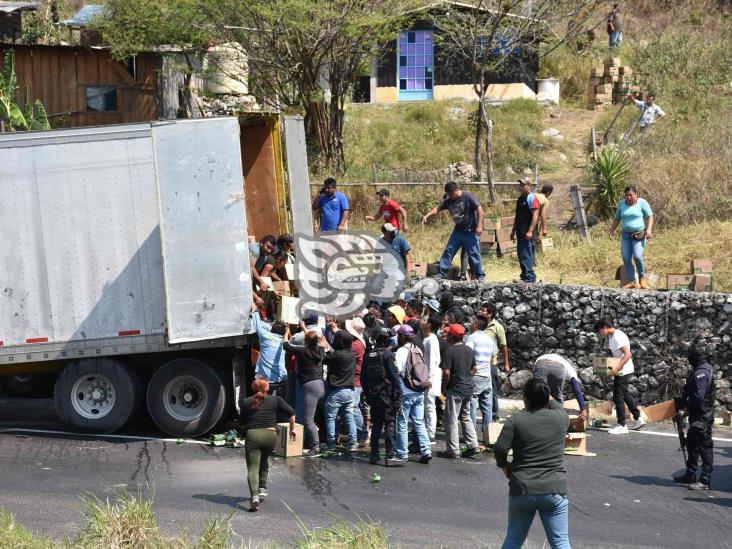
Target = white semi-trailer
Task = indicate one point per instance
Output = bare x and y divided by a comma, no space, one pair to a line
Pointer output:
124,264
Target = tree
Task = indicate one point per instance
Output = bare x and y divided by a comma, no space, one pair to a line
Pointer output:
489,35
31,116
301,54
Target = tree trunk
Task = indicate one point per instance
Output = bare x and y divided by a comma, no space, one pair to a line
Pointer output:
478,138
489,159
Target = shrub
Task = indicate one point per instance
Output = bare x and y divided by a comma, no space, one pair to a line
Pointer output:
610,172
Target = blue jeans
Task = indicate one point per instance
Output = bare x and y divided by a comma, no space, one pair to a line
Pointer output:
339,399
632,250
483,397
471,244
526,250
412,408
616,39
362,432
553,512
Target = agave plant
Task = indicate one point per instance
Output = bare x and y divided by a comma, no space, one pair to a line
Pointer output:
32,116
610,172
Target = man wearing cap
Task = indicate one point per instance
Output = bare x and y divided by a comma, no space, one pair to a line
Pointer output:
399,244
524,226
412,401
543,198
458,368
391,211
333,207
467,214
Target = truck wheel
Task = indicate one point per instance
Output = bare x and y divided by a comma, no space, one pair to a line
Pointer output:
186,397
97,395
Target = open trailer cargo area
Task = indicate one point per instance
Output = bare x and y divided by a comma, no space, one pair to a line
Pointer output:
123,263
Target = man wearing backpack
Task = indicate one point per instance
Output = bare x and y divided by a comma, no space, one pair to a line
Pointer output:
524,227
414,379
380,383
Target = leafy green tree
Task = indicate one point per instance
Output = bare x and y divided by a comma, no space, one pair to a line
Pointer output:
31,116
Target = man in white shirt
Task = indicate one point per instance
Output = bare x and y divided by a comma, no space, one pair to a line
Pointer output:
484,349
619,346
555,371
650,112
432,360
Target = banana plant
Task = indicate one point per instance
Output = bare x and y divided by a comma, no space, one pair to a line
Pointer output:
610,172
32,116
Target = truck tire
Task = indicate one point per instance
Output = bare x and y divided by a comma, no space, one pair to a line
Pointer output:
97,395
186,397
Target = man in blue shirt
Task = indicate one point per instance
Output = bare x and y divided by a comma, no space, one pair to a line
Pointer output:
333,208
399,244
271,361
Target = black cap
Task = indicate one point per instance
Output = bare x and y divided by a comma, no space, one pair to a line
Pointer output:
383,192
547,188
330,182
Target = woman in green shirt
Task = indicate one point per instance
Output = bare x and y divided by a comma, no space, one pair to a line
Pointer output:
637,226
536,475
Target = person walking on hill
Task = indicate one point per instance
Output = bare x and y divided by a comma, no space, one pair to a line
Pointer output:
619,346
332,205
635,217
467,214
524,229
391,211
615,27
537,477
258,421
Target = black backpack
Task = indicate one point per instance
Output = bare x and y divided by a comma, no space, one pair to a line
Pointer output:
373,373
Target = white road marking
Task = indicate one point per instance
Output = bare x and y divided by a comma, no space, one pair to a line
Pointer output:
126,437
660,434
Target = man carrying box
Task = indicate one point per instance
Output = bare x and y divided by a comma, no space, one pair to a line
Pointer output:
619,346
555,371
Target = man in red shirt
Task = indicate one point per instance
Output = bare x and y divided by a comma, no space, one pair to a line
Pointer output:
391,211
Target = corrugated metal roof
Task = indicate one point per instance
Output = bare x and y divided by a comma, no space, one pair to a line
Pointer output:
84,16
11,7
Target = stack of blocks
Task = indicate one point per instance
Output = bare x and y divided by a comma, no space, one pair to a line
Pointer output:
496,238
609,84
698,280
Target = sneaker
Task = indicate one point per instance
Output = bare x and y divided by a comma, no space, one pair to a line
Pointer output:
254,504
447,455
638,423
686,478
310,452
425,458
263,493
619,430
470,452
394,462
698,486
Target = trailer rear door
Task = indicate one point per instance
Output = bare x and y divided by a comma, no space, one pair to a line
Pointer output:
203,229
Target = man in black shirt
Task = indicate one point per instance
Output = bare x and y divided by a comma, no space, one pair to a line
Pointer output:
458,368
524,227
341,364
467,214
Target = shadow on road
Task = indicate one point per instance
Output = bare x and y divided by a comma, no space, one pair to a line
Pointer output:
724,502
646,480
235,502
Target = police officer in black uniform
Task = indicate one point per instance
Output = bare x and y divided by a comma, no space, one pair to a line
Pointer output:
698,400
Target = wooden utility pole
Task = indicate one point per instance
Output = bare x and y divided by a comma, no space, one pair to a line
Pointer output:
489,159
579,211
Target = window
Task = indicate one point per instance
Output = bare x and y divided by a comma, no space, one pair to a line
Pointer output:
101,98
416,65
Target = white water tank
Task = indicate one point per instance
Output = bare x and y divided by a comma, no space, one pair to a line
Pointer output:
225,70
547,89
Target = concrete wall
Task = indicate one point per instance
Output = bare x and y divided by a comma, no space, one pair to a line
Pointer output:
543,318
496,93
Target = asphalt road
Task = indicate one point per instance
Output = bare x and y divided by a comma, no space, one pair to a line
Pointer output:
623,497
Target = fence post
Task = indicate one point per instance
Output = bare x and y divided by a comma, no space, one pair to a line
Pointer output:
579,212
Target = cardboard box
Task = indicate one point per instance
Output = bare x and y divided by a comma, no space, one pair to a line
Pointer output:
488,237
603,89
611,62
661,411
622,275
267,281
601,365
285,447
626,71
433,269
290,270
453,273
418,269
491,223
504,234
597,72
283,287
287,310
702,283
545,244
577,425
679,282
507,221
506,246
575,444
702,266
491,433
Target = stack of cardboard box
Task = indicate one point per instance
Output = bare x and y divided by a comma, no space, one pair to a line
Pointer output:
496,238
698,280
609,84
